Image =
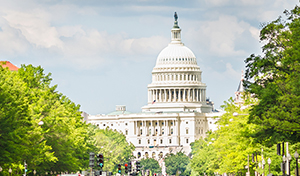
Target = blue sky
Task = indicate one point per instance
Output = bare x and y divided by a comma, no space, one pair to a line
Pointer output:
101,52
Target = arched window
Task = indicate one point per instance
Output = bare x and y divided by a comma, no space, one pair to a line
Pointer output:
141,131
146,154
171,130
139,154
187,131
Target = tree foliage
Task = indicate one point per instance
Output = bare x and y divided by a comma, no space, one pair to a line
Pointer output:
151,165
114,147
273,79
177,162
62,143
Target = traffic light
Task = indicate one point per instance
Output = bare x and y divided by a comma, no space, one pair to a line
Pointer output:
25,165
129,167
100,160
126,168
138,166
119,168
92,159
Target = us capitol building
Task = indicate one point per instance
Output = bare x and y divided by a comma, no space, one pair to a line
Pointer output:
177,112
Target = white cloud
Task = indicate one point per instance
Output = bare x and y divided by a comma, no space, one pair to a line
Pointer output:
254,32
219,36
35,27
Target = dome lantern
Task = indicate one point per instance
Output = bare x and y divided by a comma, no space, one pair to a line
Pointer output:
176,37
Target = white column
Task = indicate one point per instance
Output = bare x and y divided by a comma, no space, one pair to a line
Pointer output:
174,97
169,95
197,94
200,95
160,100
183,94
155,94
189,94
165,92
179,94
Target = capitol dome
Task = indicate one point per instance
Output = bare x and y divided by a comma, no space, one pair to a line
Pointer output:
176,54
176,79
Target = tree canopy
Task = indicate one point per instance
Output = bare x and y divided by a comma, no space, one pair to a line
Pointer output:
273,79
151,165
63,142
176,163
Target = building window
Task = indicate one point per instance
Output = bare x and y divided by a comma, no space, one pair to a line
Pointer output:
141,123
156,131
162,123
187,141
201,131
126,124
111,124
126,132
140,141
171,130
187,122
170,141
97,124
187,131
155,123
141,131
161,141
149,131
149,123
103,124
162,131
148,141
171,123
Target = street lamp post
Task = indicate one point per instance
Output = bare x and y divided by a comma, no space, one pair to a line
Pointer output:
263,166
269,162
9,170
296,155
283,164
289,158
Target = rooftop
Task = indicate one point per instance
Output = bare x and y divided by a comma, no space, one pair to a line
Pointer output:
9,65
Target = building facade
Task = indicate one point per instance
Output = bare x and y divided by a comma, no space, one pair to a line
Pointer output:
177,112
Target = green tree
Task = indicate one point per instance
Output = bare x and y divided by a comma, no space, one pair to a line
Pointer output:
151,165
176,163
114,147
204,157
273,79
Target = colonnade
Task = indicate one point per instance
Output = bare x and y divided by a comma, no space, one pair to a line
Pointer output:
176,77
156,127
177,95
